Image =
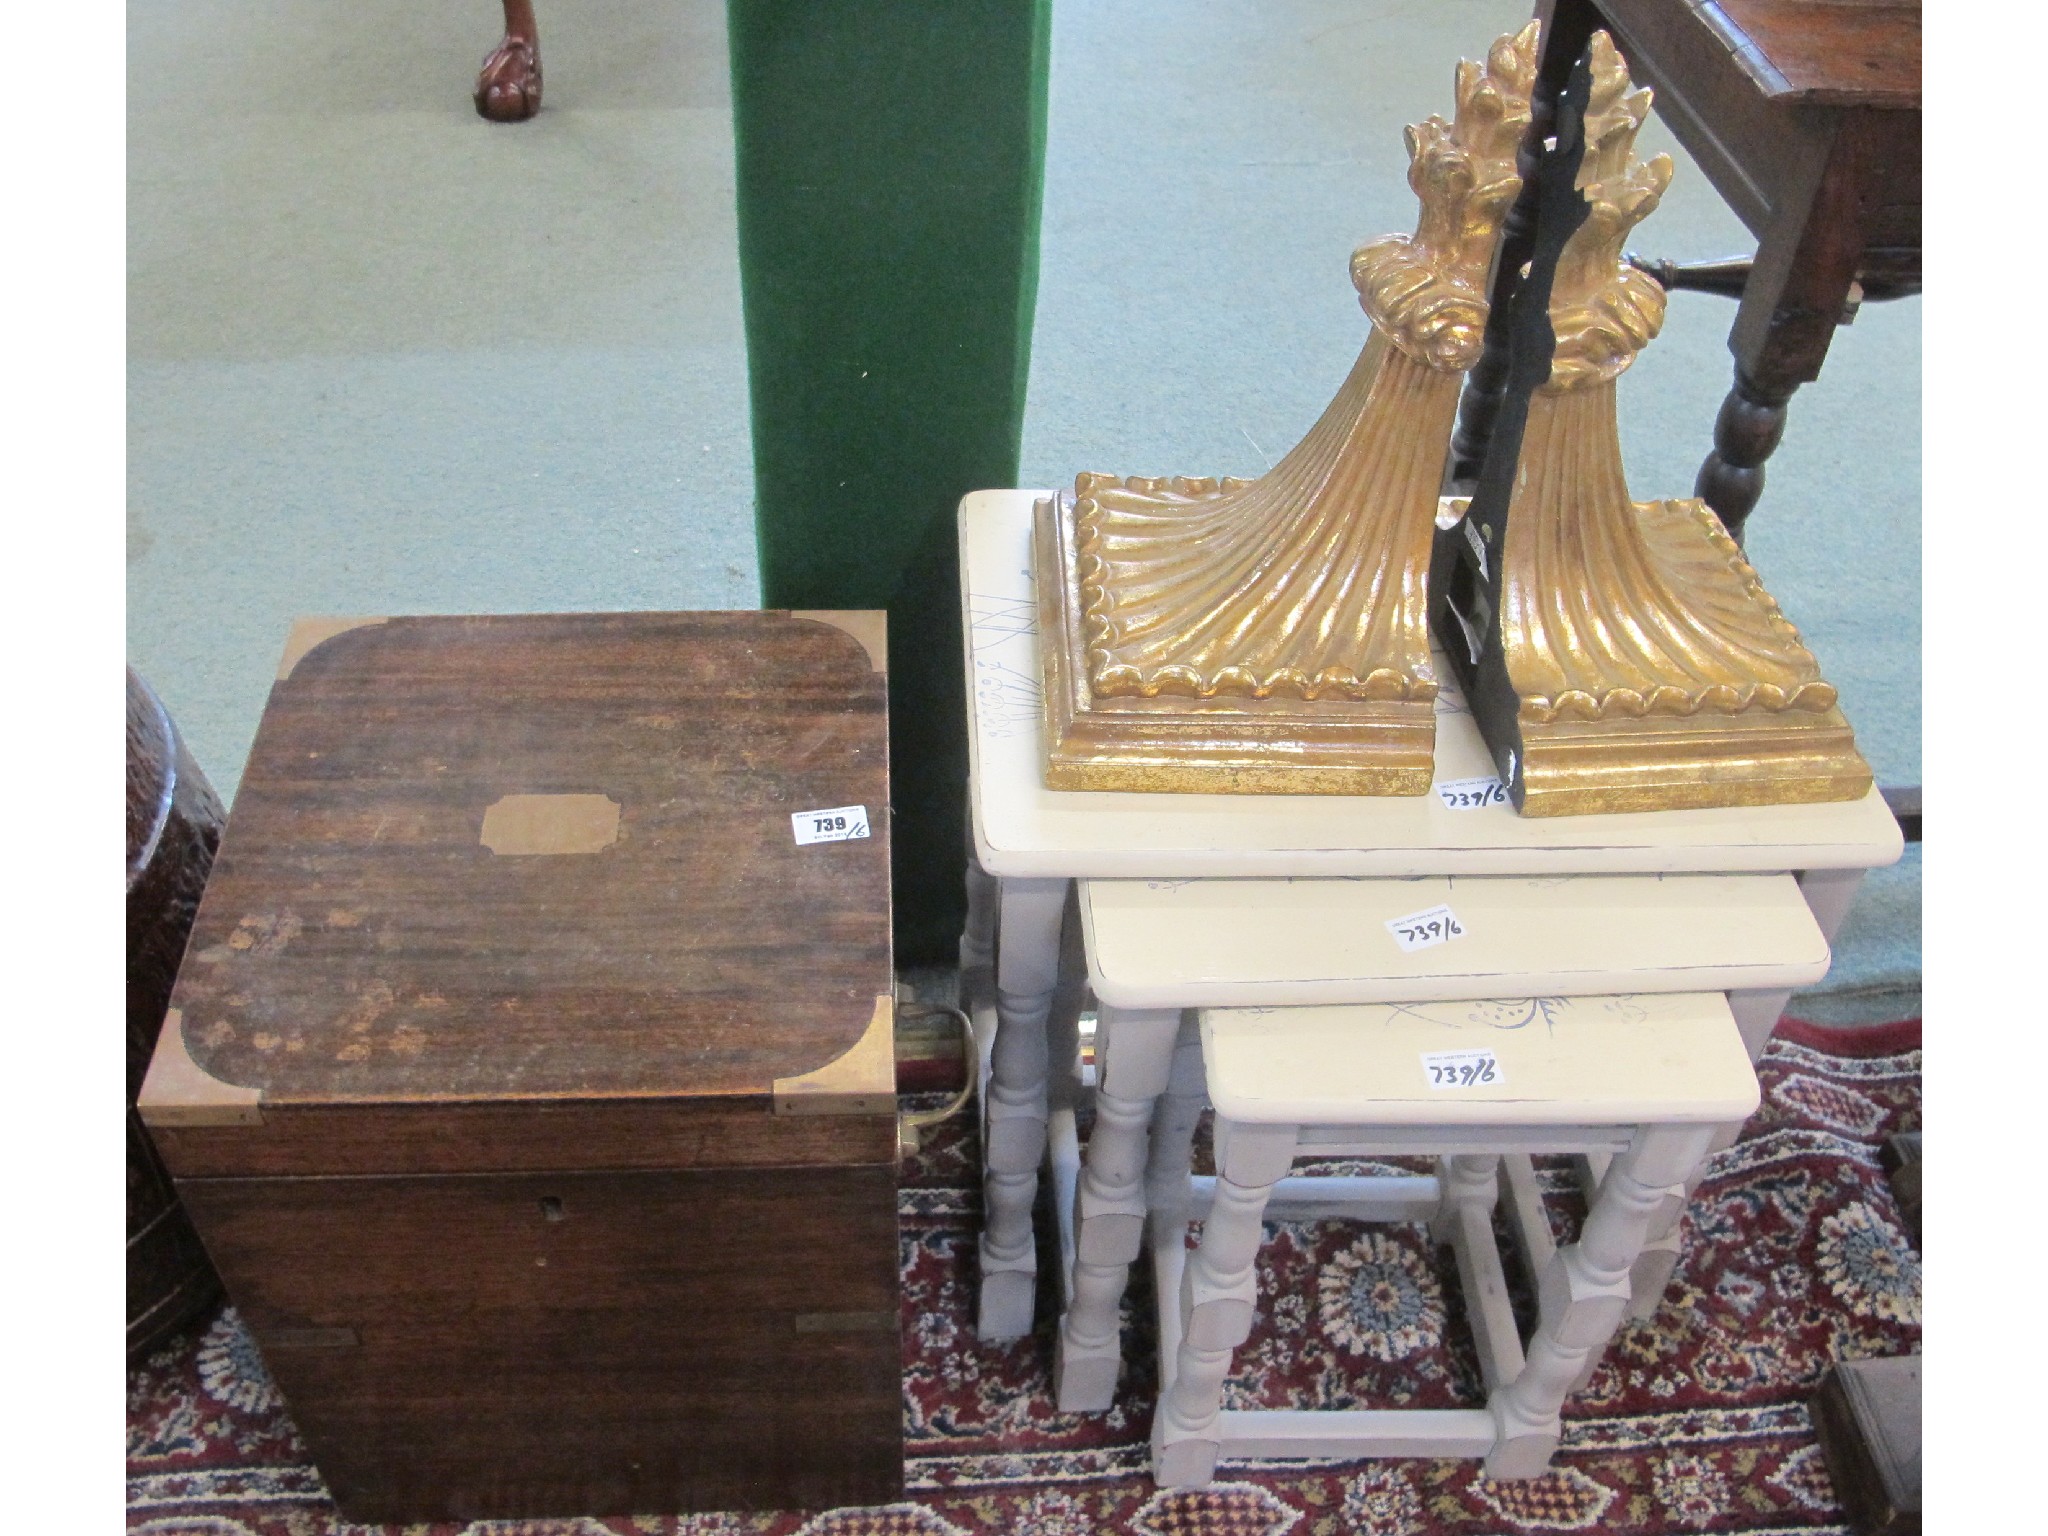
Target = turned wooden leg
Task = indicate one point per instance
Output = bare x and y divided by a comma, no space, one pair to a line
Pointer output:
1649,1276
1134,1049
1746,433
1170,1163
1584,1292
1471,1178
1756,1015
1468,1188
508,86
1218,1300
978,938
1014,1109
1796,294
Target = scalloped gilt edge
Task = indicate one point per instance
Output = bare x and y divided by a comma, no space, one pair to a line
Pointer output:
1672,701
1098,604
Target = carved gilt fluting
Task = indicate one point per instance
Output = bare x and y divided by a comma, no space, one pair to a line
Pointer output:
1272,635
1646,667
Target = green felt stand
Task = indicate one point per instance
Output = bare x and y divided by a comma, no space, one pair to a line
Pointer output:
891,156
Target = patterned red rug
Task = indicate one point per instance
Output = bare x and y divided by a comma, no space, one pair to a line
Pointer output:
1696,1421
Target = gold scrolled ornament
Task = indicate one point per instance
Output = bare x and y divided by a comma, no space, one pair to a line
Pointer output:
1623,655
1272,635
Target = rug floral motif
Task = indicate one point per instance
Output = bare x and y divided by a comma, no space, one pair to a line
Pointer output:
1695,1421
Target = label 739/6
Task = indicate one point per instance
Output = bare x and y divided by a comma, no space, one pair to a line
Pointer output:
1422,930
1470,794
838,825
1462,1069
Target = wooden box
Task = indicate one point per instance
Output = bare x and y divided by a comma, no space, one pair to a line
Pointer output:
531,1084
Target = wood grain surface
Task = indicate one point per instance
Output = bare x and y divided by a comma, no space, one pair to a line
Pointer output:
359,941
508,955
576,1344
1838,52
592,1133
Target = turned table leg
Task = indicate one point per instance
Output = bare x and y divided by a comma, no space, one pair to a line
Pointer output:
978,938
1134,1051
1797,292
1828,893
1746,432
1756,1015
1218,1301
1584,1292
1468,1179
1170,1161
1014,1111
508,86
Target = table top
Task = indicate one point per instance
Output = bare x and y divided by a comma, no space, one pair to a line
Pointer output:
1023,829
1674,1057
1232,943
1862,53
545,856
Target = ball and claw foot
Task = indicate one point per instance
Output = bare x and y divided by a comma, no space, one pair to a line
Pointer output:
508,87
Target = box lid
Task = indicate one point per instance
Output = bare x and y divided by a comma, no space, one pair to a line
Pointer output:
547,857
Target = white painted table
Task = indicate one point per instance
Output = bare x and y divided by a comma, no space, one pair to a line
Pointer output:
1274,943
1031,843
1648,1081
1522,948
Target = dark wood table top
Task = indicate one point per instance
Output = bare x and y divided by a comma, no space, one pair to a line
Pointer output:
1843,53
1755,90
1863,53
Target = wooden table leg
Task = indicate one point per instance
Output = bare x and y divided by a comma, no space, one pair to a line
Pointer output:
1170,1161
1657,1260
1134,1051
1584,1293
1464,1220
1795,297
508,86
1218,1300
1014,1110
1828,893
978,938
1756,1016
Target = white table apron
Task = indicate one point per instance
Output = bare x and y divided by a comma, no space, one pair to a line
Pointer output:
1032,842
